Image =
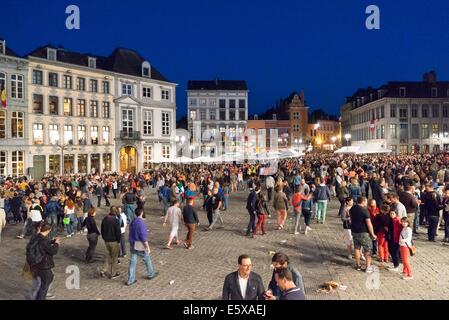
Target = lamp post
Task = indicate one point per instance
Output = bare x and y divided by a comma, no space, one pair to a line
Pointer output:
333,142
347,138
63,148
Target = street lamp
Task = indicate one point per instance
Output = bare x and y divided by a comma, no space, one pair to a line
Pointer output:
347,138
333,142
63,148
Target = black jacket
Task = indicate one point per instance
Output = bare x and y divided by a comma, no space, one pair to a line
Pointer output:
254,289
110,229
48,250
409,202
251,202
190,215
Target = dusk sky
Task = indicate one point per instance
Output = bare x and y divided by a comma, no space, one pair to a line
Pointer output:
320,46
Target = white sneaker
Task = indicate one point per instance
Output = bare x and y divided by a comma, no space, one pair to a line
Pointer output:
363,257
296,233
350,257
69,236
309,229
393,269
369,269
407,278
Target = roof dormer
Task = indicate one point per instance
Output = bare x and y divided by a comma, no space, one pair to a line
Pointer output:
92,62
146,69
51,54
2,46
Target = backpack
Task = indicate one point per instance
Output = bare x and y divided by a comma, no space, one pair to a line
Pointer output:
34,254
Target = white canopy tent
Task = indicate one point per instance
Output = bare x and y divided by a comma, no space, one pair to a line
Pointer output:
347,150
372,148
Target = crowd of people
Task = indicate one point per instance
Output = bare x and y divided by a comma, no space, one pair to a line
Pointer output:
384,202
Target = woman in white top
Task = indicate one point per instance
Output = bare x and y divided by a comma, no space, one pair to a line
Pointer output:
69,213
405,242
173,217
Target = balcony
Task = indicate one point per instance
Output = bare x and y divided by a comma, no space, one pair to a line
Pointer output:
130,135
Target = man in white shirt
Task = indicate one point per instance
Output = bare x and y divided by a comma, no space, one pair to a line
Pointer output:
243,284
270,186
399,207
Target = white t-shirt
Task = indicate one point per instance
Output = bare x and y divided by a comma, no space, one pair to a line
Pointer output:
243,284
125,222
401,211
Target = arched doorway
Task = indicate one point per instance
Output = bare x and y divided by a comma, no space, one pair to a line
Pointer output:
128,159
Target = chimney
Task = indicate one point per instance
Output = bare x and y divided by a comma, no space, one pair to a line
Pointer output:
2,46
430,77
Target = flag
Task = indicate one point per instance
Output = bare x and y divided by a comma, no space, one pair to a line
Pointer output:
3,94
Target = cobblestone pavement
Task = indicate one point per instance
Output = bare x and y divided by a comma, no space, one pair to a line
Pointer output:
198,274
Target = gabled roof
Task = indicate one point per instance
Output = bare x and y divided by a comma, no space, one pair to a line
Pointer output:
122,60
214,85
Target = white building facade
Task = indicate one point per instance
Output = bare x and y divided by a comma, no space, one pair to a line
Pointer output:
13,118
406,117
217,115
70,115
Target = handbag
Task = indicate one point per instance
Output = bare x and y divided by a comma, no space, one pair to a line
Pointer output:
412,249
66,221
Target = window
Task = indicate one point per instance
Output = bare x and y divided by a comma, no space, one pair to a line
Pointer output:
17,163
17,125
146,92
165,123
242,103
92,62
127,122
67,82
212,114
106,132
53,132
434,92
147,156
296,127
403,112
415,131
435,111
425,111
68,134
53,105
2,163
435,130
37,77
94,109
16,86
166,151
82,135
295,115
106,87
81,84
107,162
51,54
127,89
394,149
424,131
38,133
414,111
232,115
403,131
231,103
393,111
93,85
193,102
393,131
2,125
146,72
165,94
2,80
192,115
94,135
203,102
242,115
445,111
81,108
222,103
53,79
106,110
202,114
382,131
38,103
222,115
147,122
402,92
382,112
68,108
403,149
212,102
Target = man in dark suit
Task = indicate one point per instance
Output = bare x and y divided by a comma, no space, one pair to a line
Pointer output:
243,284
251,207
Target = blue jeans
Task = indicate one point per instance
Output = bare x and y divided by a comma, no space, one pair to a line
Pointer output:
79,224
133,264
321,210
165,202
52,219
225,202
129,211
